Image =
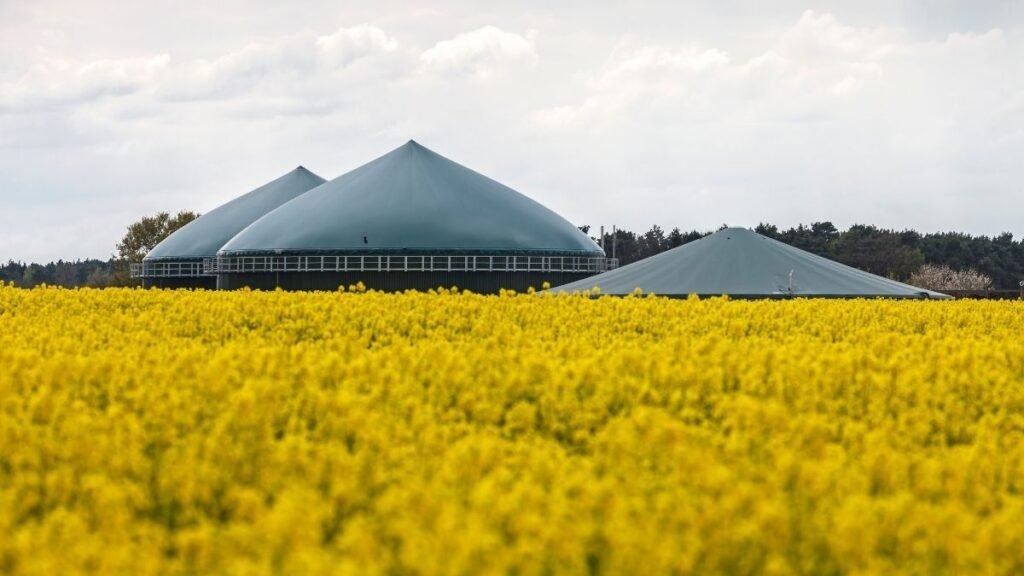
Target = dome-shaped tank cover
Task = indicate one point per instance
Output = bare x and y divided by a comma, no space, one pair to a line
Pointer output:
412,201
744,264
202,237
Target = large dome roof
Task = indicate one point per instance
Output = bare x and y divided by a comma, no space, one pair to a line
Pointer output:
739,262
409,201
202,237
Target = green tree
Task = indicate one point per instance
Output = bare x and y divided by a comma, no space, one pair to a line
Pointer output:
651,243
675,238
143,236
100,277
878,251
818,238
769,230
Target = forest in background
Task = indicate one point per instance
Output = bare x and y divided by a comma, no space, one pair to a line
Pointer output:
890,253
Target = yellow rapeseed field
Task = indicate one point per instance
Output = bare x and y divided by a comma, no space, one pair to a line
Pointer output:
176,432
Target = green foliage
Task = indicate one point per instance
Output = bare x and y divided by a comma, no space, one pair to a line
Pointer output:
141,237
144,235
61,273
881,252
630,247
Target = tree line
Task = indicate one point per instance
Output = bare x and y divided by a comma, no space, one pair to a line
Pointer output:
138,240
893,254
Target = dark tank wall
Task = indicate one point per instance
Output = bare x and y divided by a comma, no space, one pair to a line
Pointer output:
204,282
479,282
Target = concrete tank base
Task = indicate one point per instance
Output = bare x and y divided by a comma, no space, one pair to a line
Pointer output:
478,282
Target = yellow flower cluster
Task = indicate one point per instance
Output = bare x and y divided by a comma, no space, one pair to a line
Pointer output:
177,432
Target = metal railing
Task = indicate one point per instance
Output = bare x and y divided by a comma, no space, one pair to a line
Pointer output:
168,269
377,263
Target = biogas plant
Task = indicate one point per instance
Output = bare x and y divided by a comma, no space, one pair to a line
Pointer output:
413,219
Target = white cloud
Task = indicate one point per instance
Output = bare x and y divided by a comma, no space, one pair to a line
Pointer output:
483,52
809,66
60,81
822,38
349,44
628,62
289,59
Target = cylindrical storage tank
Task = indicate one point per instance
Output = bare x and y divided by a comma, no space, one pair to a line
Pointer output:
182,260
410,219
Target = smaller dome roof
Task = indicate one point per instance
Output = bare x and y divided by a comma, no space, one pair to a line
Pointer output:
202,237
412,200
740,262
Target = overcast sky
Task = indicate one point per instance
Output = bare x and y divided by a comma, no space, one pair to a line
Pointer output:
897,113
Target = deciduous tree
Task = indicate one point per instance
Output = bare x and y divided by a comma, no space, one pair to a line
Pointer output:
143,236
